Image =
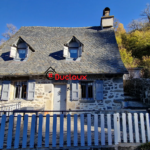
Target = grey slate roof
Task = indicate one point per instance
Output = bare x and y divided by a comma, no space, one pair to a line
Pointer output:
100,56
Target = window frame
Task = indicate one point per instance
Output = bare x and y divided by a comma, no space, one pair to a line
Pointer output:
17,54
86,83
20,92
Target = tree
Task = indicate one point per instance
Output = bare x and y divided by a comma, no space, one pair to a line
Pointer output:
146,12
11,30
136,25
116,23
120,29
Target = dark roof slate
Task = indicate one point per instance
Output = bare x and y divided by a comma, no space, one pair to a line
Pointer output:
100,56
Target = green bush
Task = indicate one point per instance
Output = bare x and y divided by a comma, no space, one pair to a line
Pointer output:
145,146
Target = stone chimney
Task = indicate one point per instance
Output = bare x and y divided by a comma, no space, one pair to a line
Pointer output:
106,20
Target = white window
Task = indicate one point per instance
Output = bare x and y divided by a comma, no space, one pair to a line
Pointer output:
73,49
22,90
19,51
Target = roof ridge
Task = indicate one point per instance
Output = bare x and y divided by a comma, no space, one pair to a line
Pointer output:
57,27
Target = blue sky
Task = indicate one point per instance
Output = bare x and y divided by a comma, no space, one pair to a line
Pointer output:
66,13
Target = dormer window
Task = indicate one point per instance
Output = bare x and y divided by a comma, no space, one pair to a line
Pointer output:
21,53
73,49
74,52
20,50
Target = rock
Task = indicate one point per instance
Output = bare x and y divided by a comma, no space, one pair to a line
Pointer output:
108,101
118,100
120,85
111,96
109,107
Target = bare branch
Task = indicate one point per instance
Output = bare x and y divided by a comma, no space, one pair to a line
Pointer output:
2,41
136,24
11,30
146,12
116,23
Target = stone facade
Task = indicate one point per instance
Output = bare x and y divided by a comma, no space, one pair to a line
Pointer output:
113,94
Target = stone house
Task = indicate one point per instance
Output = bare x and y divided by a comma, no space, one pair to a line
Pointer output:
85,62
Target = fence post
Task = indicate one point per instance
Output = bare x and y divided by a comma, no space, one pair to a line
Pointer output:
61,130
54,130
136,127
2,130
130,127
115,129
142,128
148,127
118,127
89,129
96,129
102,130
109,129
75,130
82,129
124,127
47,130
68,130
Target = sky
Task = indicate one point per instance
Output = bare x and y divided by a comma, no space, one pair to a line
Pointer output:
66,13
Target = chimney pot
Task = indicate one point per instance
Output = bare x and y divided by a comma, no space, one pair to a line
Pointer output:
106,11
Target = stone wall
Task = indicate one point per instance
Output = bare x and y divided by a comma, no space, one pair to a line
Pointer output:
113,95
139,88
44,91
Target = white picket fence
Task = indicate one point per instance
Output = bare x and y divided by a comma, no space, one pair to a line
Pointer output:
82,130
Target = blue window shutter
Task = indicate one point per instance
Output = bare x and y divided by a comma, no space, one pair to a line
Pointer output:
31,90
75,90
5,90
99,90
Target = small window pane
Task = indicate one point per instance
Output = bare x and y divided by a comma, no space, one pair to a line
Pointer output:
73,53
90,91
24,88
17,94
83,87
22,53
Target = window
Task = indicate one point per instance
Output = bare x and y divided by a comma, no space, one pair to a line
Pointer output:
20,90
21,50
73,49
73,52
87,90
21,53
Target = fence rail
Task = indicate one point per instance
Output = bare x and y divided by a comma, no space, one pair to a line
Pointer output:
74,130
